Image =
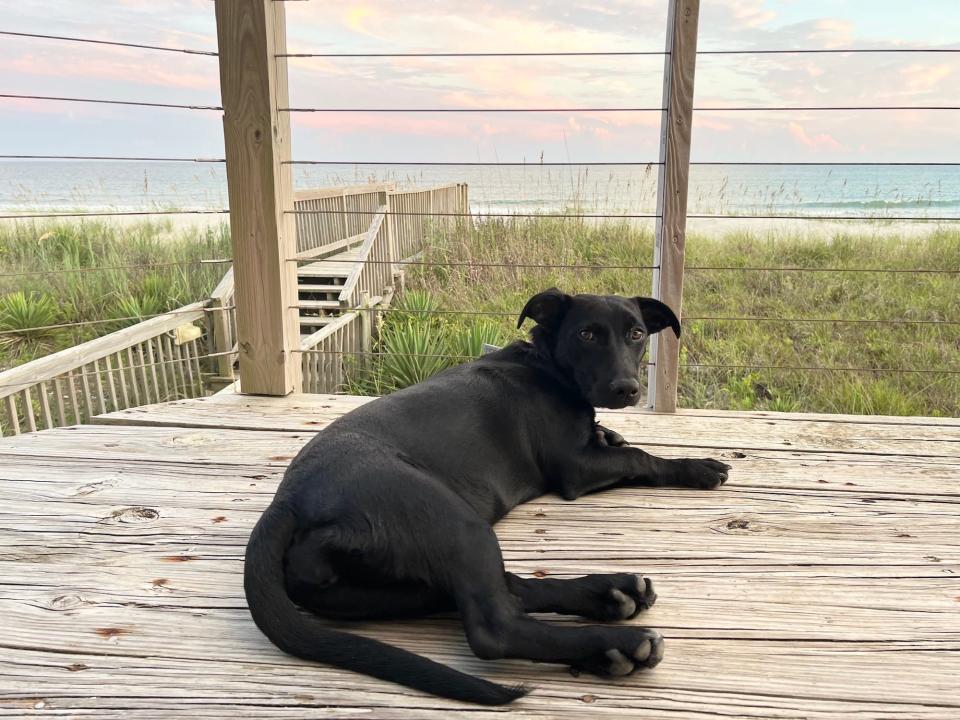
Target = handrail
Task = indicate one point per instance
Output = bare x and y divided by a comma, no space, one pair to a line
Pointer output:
223,324
431,188
332,247
311,341
46,368
347,190
224,290
351,282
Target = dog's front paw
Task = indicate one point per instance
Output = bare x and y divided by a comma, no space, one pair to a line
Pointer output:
608,438
705,474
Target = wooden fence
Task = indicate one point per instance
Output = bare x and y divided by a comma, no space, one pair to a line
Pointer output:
254,87
396,232
156,360
153,361
327,355
327,216
372,272
413,214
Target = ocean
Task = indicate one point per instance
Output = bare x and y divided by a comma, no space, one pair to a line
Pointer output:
912,191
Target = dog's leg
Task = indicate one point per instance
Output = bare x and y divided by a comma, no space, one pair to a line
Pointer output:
388,602
618,596
497,626
600,466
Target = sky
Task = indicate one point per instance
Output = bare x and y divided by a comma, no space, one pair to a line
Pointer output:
46,67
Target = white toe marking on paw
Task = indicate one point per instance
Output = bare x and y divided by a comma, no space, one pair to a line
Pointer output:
619,663
643,651
626,603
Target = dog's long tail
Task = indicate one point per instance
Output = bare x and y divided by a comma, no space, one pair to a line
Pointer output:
304,636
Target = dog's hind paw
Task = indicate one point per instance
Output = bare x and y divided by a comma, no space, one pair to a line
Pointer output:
625,596
635,654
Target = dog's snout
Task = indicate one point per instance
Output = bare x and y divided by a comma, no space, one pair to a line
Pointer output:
627,389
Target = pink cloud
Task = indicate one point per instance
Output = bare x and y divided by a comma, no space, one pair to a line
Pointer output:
705,121
921,78
112,69
393,124
832,33
820,141
751,13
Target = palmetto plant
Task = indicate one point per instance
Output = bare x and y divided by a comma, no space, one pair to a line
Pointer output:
467,341
24,318
414,351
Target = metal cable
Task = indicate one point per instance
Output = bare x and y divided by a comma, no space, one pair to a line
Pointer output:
110,102
83,323
109,213
822,51
632,163
803,108
685,318
784,163
614,53
818,368
108,42
473,164
107,268
30,383
111,157
924,371
470,110
610,53
525,163
629,216
561,266
768,108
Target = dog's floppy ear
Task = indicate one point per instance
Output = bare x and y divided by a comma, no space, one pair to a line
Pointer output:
657,316
546,308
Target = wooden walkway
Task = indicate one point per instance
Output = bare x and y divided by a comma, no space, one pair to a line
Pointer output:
822,582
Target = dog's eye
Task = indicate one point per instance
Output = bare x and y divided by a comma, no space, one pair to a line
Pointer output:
587,335
636,334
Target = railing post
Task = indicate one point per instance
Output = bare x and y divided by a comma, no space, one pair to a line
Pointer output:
366,325
674,175
253,85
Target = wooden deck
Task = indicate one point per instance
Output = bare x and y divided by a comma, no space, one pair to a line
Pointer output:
822,582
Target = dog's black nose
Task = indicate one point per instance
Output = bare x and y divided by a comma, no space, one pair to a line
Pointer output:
627,389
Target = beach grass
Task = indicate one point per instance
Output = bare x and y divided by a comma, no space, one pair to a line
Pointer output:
494,266
864,367
50,275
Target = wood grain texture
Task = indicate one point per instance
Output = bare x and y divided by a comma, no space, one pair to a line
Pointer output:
253,85
822,582
684,429
675,135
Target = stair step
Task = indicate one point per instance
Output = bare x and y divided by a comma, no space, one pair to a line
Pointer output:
307,287
309,271
318,304
317,319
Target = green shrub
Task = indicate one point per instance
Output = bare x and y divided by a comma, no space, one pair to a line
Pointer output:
25,318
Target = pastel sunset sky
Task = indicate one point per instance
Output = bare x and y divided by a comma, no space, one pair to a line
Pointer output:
43,67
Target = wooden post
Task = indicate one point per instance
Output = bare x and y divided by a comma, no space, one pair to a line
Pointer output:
674,175
253,85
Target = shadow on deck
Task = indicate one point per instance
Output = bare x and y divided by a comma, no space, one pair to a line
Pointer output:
822,582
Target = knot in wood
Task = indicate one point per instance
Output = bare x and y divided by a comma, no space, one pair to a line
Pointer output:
71,601
134,515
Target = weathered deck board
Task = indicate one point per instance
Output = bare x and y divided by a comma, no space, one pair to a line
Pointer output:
310,412
822,582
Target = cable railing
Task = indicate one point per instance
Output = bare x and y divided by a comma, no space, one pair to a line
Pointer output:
335,225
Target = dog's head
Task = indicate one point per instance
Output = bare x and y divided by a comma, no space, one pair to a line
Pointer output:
598,341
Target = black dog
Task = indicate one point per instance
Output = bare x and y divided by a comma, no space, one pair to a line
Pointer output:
387,513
